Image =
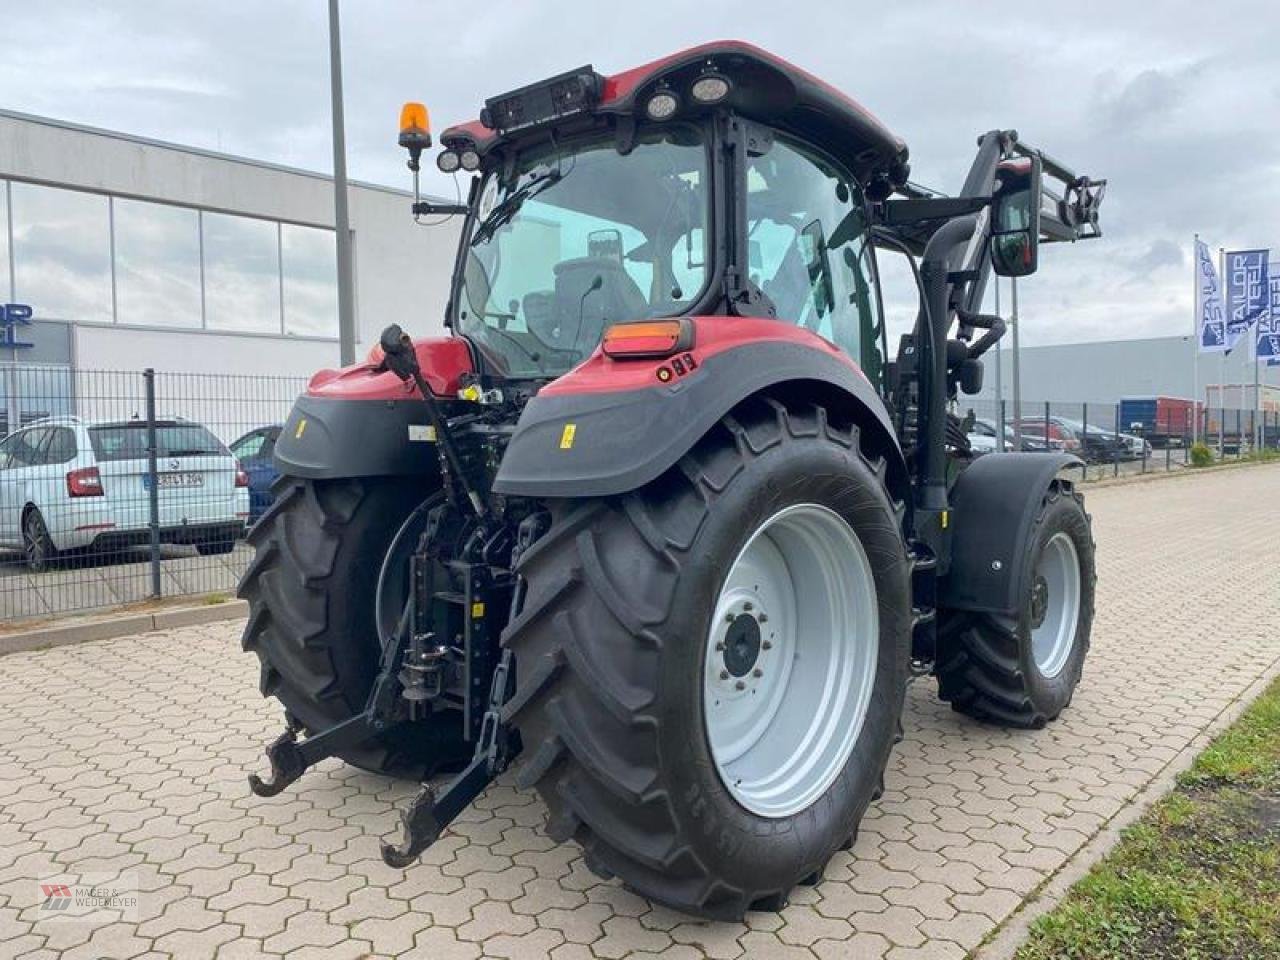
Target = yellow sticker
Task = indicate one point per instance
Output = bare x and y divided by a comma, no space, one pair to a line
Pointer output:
567,435
477,610
302,425
946,516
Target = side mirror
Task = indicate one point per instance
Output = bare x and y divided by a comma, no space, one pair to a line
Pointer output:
1015,217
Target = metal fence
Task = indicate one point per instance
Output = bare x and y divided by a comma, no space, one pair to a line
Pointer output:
125,486
1097,432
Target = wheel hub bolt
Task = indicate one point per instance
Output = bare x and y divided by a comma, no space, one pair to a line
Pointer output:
757,672
740,685
719,645
748,606
766,645
728,617
763,617
724,674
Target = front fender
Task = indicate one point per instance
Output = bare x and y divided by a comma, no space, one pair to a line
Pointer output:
598,442
994,505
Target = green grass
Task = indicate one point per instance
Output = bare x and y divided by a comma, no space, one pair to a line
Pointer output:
1198,877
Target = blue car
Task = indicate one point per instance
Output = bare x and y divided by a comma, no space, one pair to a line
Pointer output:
255,452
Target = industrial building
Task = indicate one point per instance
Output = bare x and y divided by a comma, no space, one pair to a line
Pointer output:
132,253
1102,372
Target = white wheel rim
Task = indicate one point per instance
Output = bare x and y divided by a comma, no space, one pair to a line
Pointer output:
1055,604
790,660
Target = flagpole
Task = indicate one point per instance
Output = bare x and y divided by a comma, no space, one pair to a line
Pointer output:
1195,338
1257,390
1222,356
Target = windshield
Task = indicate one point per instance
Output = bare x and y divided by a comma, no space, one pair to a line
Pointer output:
580,237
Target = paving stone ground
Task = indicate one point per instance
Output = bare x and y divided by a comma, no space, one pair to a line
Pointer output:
129,755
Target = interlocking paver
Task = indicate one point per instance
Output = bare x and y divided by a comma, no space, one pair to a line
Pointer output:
144,772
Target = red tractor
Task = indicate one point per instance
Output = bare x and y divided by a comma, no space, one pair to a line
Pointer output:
660,521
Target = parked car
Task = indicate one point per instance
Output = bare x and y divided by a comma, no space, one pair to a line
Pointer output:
255,452
1139,447
1093,444
68,484
982,438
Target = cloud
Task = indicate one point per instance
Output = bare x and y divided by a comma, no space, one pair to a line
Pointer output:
1172,106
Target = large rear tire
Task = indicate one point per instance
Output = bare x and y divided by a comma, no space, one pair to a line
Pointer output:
1022,671
619,646
313,619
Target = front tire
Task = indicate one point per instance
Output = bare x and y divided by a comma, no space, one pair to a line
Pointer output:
616,637
313,619
1022,671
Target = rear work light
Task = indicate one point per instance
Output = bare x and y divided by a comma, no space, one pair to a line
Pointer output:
85,482
647,339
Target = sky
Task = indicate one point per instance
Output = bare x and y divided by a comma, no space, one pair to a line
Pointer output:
1174,103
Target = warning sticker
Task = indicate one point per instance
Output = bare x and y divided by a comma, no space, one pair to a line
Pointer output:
422,433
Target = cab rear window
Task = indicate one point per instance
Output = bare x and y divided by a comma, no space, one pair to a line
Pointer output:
129,441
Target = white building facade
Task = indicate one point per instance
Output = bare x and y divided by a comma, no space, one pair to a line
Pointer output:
133,253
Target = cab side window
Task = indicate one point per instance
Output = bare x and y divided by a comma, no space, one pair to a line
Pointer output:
816,277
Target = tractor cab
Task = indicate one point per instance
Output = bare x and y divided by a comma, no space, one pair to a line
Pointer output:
720,181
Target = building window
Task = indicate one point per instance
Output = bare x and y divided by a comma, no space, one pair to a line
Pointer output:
310,263
6,288
61,253
241,274
157,264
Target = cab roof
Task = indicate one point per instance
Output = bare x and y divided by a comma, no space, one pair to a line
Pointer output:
764,88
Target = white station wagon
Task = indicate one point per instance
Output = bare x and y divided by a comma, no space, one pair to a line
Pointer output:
67,484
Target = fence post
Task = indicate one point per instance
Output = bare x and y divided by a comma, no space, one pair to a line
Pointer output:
1084,438
1115,448
153,484
1003,421
1046,425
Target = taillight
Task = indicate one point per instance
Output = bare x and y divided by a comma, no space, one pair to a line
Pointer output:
647,339
85,482
242,478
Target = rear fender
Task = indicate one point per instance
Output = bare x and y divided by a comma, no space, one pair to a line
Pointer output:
363,421
994,505
611,426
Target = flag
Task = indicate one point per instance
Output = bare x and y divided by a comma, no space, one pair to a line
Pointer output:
1268,342
1210,317
1248,292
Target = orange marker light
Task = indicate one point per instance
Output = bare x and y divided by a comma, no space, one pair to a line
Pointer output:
651,338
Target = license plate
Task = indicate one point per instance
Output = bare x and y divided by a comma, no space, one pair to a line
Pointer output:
175,480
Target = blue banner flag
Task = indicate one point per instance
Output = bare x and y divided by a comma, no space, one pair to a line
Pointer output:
1211,320
1248,292
1268,342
